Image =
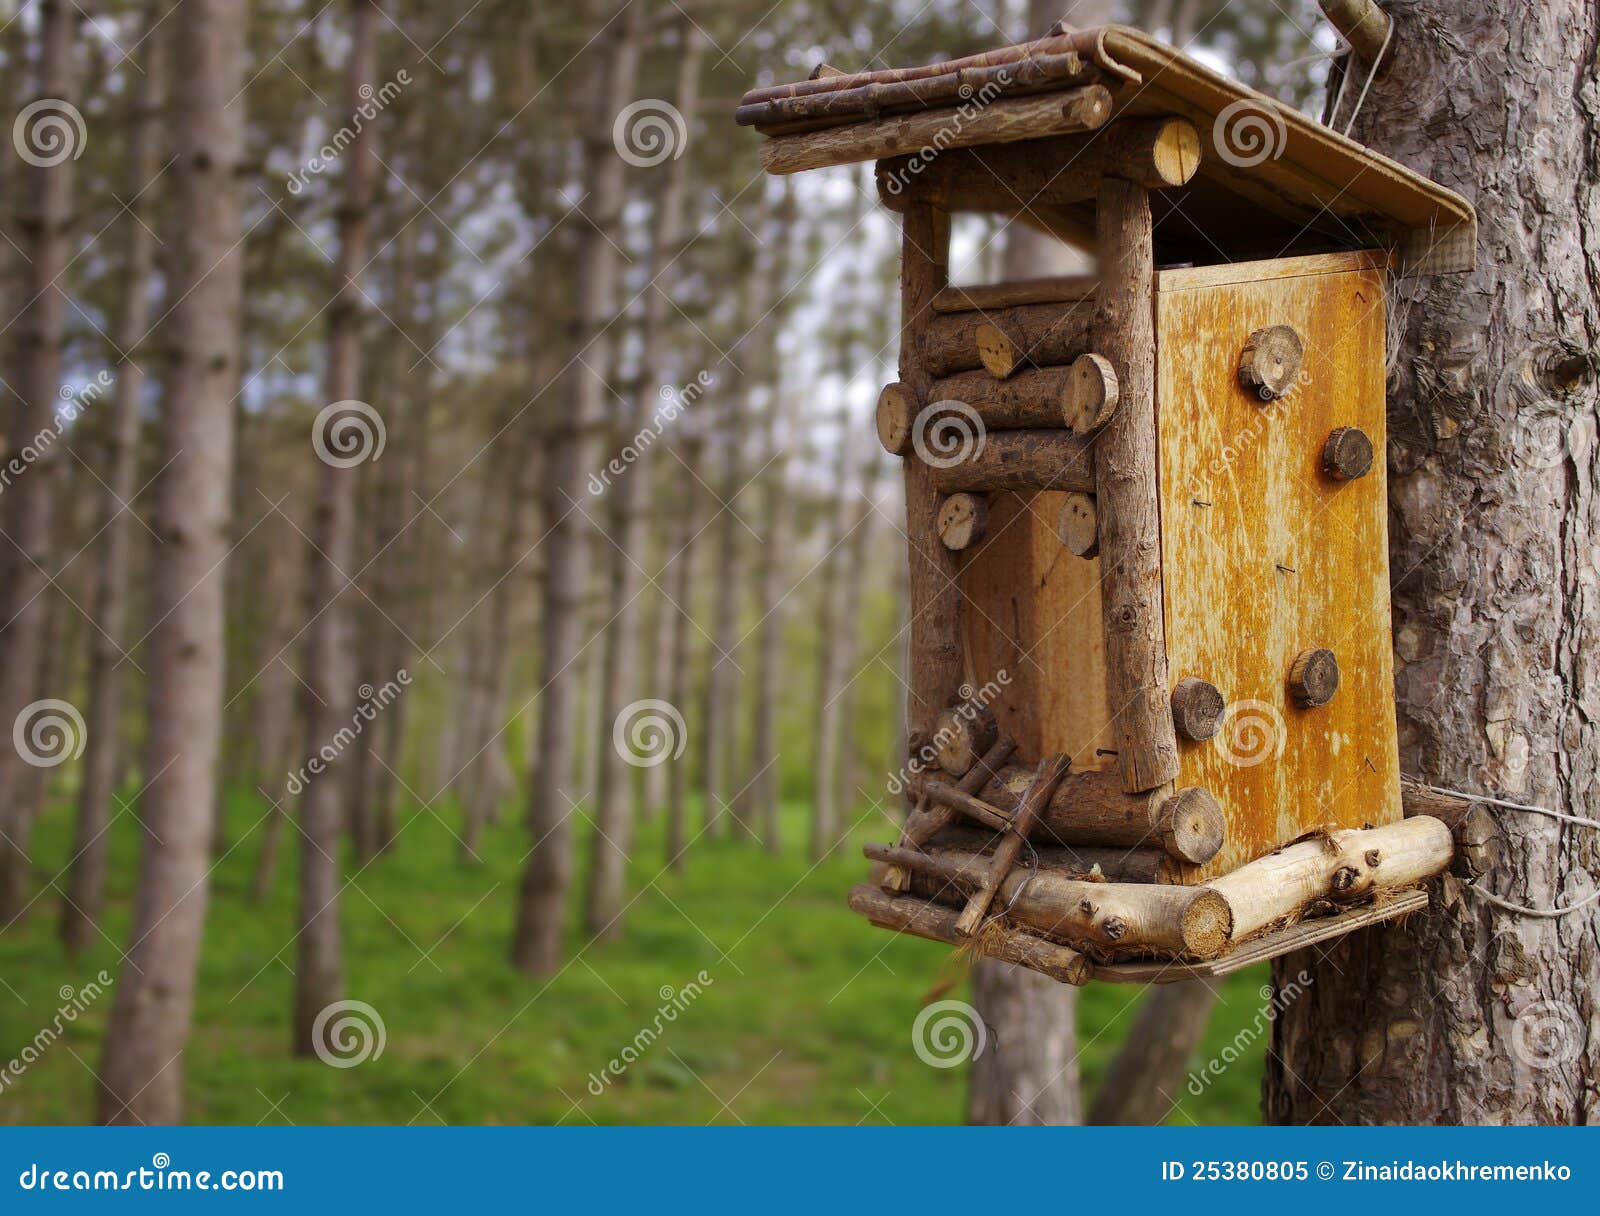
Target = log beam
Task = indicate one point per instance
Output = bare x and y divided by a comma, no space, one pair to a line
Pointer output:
1042,335
1019,460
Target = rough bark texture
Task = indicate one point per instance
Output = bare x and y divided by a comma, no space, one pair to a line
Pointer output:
1468,1013
330,653
536,947
46,224
141,1073
80,909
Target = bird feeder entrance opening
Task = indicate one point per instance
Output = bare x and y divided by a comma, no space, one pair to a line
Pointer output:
1152,713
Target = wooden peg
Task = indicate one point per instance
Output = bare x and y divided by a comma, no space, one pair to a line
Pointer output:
1270,361
1191,825
1314,678
963,519
897,411
1348,454
1091,393
962,734
1197,708
1078,525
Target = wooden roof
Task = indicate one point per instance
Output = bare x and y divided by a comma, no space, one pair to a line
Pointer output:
1304,187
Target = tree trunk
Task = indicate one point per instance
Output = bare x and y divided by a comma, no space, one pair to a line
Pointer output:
630,492
47,225
849,514
858,551
573,453
141,1073
1468,1013
330,657
1145,1079
275,715
80,910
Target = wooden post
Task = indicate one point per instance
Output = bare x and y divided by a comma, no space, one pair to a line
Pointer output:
1126,494
935,599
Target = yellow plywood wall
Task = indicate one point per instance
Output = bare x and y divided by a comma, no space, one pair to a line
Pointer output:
1031,610
1283,558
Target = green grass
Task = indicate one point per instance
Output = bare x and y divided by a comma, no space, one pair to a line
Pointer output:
807,1018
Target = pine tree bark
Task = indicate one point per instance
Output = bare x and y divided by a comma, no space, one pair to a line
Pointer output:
330,650
630,492
1468,1013
141,1071
573,454
28,505
85,896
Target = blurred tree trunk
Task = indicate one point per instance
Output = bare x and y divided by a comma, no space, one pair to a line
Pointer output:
330,659
53,145
857,554
630,503
274,713
833,625
573,454
80,910
1467,1013
1140,1087
141,1073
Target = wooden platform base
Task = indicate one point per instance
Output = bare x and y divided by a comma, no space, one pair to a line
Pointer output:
1271,945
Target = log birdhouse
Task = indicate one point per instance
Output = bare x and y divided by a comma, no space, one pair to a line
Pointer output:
1152,708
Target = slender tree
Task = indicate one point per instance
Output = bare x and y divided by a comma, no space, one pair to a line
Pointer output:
319,971
141,1072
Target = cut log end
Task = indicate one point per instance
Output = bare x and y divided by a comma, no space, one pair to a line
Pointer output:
1078,525
963,520
1314,677
1348,454
1191,825
1206,925
1197,709
1091,394
998,353
1270,362
896,414
1175,152
962,734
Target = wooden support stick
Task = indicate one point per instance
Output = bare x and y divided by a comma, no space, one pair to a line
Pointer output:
1127,496
1340,867
1362,24
990,297
956,799
1020,460
1005,854
1158,153
925,822
1420,800
922,919
999,122
1102,918
1042,334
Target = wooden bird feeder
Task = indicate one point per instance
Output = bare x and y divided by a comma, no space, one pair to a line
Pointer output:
1146,509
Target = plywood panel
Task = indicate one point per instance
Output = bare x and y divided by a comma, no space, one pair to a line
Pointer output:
1032,610
1265,556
